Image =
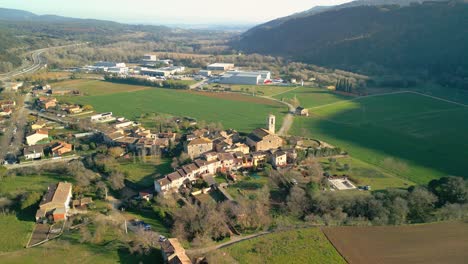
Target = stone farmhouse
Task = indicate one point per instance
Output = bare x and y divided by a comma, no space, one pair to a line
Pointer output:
173,252
301,111
56,202
198,146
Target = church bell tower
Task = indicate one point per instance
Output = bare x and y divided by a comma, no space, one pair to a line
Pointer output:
271,124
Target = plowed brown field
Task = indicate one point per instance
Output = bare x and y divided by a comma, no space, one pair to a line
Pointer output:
430,243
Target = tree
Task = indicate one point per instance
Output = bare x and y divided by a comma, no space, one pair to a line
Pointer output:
115,152
5,204
143,242
30,199
297,202
117,180
421,203
449,190
398,211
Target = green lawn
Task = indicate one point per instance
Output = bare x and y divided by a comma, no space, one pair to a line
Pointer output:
311,97
412,136
15,185
142,173
266,90
243,113
67,249
15,232
296,246
368,174
95,87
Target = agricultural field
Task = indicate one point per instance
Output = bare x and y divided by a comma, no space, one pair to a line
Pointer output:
95,87
419,139
295,246
428,243
240,112
309,97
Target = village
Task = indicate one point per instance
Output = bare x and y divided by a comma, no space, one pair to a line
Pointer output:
211,159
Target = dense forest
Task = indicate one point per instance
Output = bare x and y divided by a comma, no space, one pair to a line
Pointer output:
426,40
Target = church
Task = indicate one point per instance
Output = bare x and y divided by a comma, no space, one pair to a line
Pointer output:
265,139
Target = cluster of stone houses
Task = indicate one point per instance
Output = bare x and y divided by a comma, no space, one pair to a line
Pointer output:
225,152
40,134
6,108
47,102
134,137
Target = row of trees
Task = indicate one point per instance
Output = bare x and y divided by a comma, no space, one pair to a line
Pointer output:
138,81
442,200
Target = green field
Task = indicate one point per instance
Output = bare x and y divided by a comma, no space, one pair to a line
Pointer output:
413,136
368,174
142,173
296,246
311,97
94,87
67,249
15,232
243,113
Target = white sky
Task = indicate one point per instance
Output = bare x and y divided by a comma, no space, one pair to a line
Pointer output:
170,11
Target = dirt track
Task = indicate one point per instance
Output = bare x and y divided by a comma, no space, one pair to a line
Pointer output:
430,243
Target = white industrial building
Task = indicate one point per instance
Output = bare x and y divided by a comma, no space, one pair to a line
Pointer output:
243,77
220,67
109,64
204,73
106,66
163,72
152,60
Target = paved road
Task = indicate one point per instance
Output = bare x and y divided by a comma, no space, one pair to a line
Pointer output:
12,139
36,64
198,84
41,162
288,119
234,240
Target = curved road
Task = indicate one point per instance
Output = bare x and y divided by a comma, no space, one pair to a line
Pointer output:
37,62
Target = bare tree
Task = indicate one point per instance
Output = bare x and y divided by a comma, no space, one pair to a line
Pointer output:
5,204
117,180
143,242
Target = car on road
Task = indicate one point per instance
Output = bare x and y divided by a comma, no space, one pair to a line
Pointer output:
141,224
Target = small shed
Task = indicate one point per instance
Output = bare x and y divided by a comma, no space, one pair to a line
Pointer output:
301,111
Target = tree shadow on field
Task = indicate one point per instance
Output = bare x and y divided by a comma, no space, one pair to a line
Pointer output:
444,158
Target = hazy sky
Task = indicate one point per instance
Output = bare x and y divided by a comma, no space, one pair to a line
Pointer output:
170,11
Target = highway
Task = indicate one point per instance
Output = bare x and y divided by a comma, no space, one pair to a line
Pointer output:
37,62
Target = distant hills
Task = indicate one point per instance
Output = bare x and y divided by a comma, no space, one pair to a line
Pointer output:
427,39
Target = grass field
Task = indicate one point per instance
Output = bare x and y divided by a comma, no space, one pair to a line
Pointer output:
15,232
412,136
429,243
368,174
311,97
142,173
67,249
15,185
95,87
240,112
296,246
